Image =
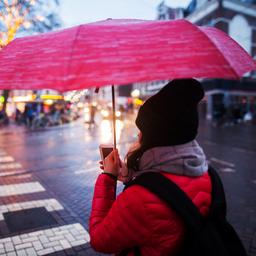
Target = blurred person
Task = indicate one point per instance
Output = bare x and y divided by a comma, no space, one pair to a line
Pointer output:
219,115
237,114
248,116
4,119
18,116
130,106
93,109
168,123
40,120
65,116
28,114
122,112
54,116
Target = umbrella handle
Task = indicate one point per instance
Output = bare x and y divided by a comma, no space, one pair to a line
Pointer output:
114,115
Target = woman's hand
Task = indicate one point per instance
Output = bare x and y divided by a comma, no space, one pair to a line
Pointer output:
115,166
123,173
111,163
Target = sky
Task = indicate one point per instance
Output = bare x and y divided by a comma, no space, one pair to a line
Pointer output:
75,12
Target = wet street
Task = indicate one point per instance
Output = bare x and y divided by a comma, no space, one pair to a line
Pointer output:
47,178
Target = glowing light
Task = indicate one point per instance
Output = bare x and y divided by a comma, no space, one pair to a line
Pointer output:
135,93
51,97
86,114
106,131
27,24
119,128
1,99
24,98
105,113
67,97
48,102
80,104
118,113
138,102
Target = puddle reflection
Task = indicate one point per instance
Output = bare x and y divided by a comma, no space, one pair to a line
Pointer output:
106,131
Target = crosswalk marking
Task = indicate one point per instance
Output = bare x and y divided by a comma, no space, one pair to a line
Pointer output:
45,241
23,176
49,204
92,169
10,166
4,159
3,174
227,170
42,242
231,165
20,189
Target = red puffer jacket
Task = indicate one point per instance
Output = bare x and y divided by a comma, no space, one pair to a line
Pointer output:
139,218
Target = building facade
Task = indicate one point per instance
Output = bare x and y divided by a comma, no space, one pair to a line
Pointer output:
234,17
238,19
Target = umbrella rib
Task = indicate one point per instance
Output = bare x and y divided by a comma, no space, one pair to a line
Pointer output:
71,53
226,60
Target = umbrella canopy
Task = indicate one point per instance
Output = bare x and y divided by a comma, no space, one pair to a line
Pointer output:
120,52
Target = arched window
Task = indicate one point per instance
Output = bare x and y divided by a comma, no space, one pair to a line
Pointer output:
241,32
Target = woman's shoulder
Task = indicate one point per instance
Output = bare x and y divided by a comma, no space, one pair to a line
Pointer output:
139,198
186,183
136,193
198,189
191,184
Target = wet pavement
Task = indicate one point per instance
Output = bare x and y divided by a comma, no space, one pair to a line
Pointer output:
54,171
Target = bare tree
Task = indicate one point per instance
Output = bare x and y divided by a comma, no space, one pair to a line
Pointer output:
26,17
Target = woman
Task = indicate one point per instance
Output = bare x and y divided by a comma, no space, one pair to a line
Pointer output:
168,123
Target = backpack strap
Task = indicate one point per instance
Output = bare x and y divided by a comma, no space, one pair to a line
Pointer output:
218,205
170,193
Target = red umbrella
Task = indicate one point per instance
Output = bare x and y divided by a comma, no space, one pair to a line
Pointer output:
120,52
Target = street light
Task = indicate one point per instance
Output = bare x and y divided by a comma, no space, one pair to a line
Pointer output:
135,93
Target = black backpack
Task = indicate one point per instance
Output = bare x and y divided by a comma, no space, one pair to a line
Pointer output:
206,236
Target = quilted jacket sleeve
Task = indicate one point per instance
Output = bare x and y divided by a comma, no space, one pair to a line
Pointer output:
115,224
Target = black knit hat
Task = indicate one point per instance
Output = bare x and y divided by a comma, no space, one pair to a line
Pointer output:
170,117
